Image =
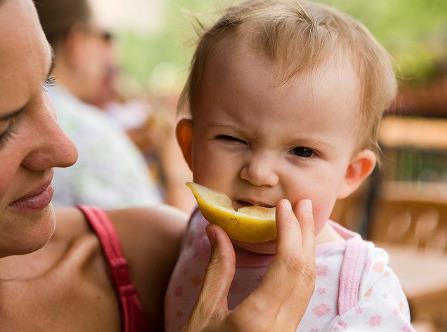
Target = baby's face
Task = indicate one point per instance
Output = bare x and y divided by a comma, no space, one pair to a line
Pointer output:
259,142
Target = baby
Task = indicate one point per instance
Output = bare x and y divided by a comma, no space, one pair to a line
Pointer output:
285,98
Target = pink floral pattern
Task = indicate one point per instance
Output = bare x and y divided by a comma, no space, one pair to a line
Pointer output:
321,290
375,321
321,310
343,324
322,270
378,267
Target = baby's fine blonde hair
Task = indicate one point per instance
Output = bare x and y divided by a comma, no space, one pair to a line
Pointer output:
299,35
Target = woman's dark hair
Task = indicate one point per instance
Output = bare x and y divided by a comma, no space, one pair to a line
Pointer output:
59,17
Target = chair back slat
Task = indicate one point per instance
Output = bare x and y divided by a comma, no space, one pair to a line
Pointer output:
406,219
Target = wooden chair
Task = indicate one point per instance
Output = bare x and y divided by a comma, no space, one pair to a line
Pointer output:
425,326
415,218
412,226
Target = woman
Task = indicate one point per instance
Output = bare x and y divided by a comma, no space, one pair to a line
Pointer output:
60,280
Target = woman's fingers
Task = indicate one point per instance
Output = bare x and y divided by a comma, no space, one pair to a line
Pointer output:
212,300
281,300
303,211
300,295
288,228
292,271
287,263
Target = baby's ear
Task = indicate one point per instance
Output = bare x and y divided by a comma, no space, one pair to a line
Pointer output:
183,132
360,167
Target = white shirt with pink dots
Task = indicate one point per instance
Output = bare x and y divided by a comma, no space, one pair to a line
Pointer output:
355,288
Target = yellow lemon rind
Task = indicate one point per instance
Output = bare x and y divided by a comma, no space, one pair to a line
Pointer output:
239,226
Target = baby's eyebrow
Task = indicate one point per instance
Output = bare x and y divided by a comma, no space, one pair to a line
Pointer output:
317,142
325,142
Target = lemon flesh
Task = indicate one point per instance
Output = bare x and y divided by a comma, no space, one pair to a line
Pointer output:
249,224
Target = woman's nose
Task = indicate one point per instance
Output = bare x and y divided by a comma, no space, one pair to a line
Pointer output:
260,171
50,146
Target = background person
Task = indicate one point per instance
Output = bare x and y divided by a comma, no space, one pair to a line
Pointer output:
149,121
110,172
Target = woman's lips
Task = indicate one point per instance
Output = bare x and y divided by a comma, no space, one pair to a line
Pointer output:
35,200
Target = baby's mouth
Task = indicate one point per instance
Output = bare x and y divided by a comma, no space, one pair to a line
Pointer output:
237,204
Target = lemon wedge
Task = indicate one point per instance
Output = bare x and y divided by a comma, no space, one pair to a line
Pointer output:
249,224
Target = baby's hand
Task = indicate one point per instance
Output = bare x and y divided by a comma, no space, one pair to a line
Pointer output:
281,299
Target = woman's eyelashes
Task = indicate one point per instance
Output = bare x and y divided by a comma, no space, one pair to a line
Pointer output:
303,152
10,126
228,138
7,134
49,82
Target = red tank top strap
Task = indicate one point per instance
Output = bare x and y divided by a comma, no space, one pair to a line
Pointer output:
132,317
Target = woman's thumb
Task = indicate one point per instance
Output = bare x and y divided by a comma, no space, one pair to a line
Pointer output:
220,273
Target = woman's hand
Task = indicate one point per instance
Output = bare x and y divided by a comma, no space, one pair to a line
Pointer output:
281,299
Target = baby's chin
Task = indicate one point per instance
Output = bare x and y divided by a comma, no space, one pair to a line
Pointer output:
264,248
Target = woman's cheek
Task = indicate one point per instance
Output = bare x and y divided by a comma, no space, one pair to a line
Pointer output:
6,178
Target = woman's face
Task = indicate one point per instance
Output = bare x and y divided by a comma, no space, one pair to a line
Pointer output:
31,143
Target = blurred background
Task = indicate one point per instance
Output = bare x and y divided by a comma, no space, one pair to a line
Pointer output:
153,36
404,205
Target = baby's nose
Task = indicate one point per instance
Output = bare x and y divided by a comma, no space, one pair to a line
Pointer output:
260,171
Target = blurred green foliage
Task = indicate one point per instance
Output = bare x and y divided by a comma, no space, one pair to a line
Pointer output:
415,32
161,60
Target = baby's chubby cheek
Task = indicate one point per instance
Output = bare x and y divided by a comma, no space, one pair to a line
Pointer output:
321,217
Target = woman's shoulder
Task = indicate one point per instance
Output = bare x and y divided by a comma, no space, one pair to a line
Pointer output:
146,235
150,233
134,226
149,236
70,224
162,219
150,241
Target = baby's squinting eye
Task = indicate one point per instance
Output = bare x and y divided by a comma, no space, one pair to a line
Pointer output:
303,152
229,138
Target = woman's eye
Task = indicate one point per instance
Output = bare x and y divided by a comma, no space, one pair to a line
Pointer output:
302,152
6,135
9,126
49,82
230,139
